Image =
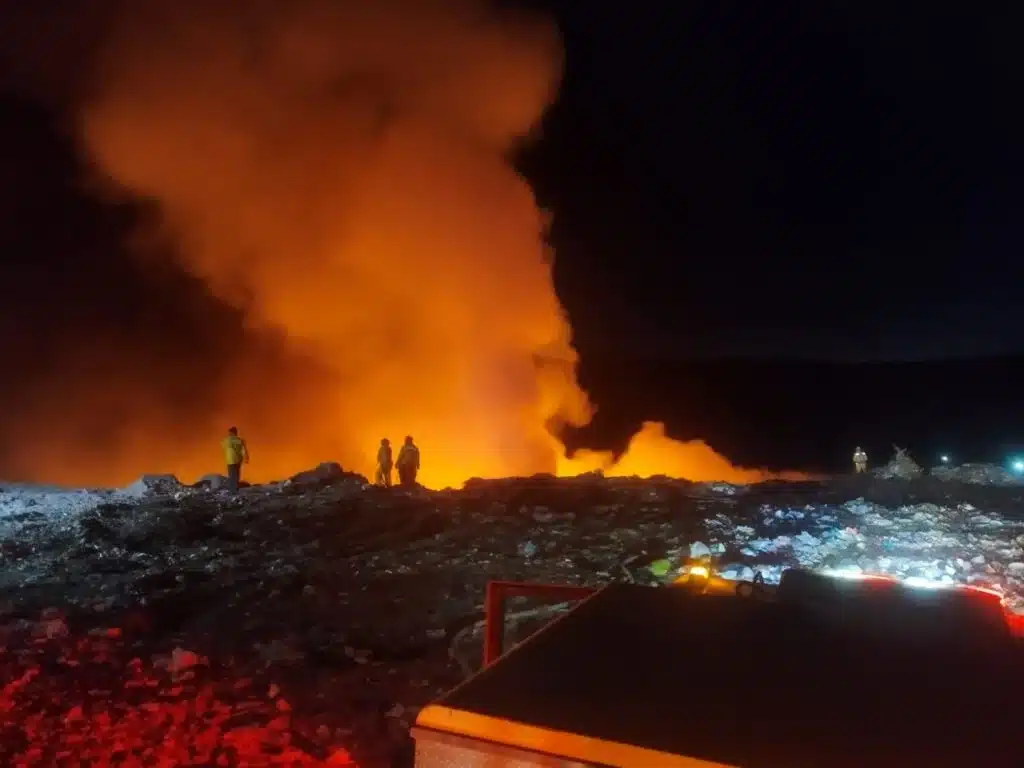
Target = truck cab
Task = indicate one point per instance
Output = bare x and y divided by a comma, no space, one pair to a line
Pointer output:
820,670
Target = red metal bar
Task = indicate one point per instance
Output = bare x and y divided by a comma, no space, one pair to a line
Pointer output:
494,608
494,622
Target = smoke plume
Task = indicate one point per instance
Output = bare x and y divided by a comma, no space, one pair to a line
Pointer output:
338,172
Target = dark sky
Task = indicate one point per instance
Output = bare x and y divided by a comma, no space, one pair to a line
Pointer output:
813,178
816,179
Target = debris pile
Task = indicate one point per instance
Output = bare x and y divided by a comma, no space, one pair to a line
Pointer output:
154,485
94,703
900,467
978,474
357,605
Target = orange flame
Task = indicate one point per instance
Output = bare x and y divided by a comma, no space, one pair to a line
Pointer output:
339,171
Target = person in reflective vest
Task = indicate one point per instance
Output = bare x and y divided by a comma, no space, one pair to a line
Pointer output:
235,452
860,460
384,464
408,463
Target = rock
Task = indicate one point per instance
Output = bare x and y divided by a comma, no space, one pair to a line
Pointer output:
154,485
542,515
323,474
182,660
358,655
737,573
726,489
332,593
212,482
53,627
527,549
699,549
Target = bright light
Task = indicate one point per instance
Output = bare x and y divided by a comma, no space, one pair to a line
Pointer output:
845,573
700,571
854,575
944,459
917,581
1018,466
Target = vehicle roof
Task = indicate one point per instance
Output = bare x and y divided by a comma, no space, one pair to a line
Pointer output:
744,682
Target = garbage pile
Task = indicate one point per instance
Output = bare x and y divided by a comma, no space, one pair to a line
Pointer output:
978,474
318,614
900,467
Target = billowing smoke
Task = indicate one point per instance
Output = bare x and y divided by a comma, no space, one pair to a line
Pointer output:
338,171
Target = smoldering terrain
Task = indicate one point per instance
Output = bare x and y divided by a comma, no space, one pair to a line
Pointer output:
307,621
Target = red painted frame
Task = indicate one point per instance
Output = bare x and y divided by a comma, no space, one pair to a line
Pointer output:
494,608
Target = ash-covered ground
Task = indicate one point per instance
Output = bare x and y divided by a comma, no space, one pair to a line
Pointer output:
305,622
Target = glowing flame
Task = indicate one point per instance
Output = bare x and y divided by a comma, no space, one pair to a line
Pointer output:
339,172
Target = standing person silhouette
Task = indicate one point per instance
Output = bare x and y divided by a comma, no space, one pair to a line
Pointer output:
235,453
408,463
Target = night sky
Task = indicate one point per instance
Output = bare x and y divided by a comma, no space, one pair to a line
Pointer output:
809,179
814,178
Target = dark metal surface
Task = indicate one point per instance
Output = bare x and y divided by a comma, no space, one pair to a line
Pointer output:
494,608
755,684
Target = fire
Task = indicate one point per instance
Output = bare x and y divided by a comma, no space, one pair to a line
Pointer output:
339,172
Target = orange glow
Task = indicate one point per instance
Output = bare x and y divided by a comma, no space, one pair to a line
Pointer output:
573,746
651,452
339,172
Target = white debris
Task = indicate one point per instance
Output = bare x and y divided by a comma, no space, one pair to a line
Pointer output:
859,507
20,504
153,485
949,545
699,549
726,489
737,573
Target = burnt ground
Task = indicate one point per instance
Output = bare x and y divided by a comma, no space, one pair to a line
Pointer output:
306,623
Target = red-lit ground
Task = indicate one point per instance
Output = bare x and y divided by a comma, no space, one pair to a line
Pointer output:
309,622
70,699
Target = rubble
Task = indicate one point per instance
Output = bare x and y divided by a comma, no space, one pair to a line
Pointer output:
212,482
901,466
306,622
324,474
978,474
154,485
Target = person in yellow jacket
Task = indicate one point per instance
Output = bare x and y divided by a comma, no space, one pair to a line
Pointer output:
235,452
860,460
384,464
408,463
